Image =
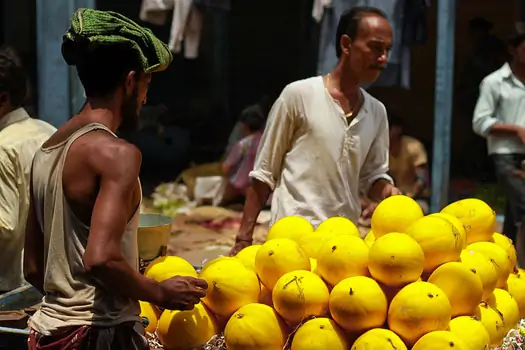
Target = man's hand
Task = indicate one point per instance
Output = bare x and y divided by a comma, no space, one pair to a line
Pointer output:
182,292
239,245
382,189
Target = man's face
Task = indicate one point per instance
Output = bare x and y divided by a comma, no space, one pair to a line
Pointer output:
135,96
368,52
518,53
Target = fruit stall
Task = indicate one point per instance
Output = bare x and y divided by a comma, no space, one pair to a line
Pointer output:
445,280
442,281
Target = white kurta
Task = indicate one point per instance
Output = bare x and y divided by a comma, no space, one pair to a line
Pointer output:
313,160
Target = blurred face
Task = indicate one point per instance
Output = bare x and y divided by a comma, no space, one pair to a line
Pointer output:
5,104
518,54
367,53
135,94
396,132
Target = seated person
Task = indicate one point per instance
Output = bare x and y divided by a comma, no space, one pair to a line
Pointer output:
240,159
409,164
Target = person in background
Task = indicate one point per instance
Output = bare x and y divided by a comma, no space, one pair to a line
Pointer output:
20,137
81,234
241,158
499,116
262,107
408,163
326,138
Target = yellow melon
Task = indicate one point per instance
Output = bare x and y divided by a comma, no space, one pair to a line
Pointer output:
502,301
319,334
477,217
165,267
493,323
342,257
313,265
266,296
520,273
439,239
311,243
485,270
231,285
255,327
395,214
370,238
277,257
358,304
497,256
418,309
462,286
181,330
300,294
471,331
247,255
151,314
339,225
457,224
506,243
516,288
396,259
291,227
440,340
379,339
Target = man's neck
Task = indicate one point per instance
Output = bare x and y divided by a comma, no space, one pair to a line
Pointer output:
347,83
518,70
102,112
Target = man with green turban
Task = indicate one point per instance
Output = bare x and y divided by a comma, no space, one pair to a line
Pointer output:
81,235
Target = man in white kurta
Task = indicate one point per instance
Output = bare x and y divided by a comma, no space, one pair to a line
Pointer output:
326,139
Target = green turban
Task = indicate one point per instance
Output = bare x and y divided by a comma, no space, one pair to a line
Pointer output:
92,28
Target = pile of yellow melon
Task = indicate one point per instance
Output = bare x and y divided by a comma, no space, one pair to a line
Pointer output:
442,281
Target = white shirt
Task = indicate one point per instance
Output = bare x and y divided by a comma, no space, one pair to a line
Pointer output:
501,100
313,160
20,137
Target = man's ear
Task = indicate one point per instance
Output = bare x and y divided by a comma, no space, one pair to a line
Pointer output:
346,43
131,81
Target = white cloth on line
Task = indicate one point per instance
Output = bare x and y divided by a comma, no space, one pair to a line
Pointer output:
186,24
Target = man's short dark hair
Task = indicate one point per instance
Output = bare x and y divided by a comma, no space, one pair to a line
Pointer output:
350,21
104,68
395,120
13,79
253,118
515,40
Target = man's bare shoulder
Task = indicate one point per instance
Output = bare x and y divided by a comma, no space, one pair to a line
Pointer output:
108,155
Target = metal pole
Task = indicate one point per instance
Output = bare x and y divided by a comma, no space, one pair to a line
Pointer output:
58,93
446,23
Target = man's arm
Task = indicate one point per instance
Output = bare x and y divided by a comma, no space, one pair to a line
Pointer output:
34,245
274,144
373,178
483,122
118,166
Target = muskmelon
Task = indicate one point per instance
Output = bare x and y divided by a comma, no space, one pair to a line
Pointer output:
182,330
462,286
485,270
439,239
277,257
231,285
358,304
396,259
476,216
471,331
255,327
502,301
440,340
370,238
165,267
379,339
319,334
494,324
291,227
418,309
247,255
516,288
310,243
300,294
395,214
457,224
507,245
342,257
151,314
339,225
499,258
